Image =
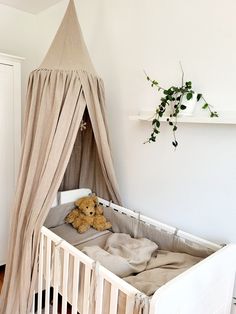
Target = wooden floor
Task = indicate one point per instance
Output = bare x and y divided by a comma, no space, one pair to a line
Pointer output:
2,268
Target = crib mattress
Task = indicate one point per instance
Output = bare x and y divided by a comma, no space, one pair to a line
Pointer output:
70,234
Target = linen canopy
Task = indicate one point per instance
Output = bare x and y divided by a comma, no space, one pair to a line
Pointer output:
64,90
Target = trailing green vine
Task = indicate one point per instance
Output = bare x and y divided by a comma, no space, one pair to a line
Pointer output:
172,98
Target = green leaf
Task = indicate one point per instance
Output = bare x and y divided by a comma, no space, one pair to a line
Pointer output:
156,131
157,124
205,106
188,84
189,96
175,89
214,114
182,107
175,143
170,123
174,128
199,96
154,121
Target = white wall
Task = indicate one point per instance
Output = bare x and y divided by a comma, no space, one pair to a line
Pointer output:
18,33
193,187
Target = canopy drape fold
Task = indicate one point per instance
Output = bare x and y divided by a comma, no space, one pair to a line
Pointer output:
58,94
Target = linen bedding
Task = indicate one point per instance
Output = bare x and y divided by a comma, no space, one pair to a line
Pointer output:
139,262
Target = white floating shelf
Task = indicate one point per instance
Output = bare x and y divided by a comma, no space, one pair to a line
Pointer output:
222,119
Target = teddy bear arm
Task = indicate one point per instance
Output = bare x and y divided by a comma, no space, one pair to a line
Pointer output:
82,223
83,227
76,223
72,216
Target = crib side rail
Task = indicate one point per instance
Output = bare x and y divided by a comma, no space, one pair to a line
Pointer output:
205,288
161,226
65,271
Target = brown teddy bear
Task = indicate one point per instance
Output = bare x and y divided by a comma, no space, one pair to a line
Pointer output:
88,213
81,217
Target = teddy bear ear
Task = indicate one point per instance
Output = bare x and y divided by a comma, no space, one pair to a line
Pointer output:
79,201
95,199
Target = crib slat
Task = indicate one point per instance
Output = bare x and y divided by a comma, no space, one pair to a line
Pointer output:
75,285
113,300
65,282
48,275
40,274
87,276
99,295
56,273
129,305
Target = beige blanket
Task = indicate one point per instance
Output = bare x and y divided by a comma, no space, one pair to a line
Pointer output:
160,269
139,262
122,254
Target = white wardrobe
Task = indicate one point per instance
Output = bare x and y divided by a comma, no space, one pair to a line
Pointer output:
10,140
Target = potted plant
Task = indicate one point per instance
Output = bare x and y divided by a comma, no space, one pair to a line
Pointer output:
175,100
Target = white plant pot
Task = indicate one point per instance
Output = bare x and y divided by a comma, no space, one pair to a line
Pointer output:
190,105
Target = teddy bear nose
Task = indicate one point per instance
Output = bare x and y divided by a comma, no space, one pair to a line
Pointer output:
91,213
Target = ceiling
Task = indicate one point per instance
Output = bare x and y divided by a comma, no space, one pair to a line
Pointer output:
30,6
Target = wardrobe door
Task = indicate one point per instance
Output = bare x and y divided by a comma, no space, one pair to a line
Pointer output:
10,141
7,153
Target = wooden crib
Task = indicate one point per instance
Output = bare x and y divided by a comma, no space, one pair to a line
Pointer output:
205,288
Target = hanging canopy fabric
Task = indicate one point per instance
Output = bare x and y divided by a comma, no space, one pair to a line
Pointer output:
63,90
